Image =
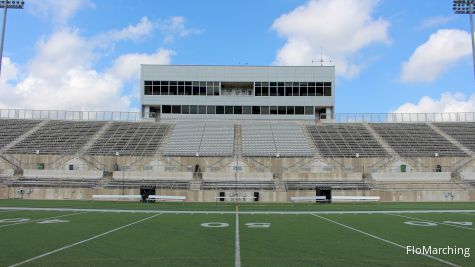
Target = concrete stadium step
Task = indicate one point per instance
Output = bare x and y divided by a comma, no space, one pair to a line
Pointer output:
195,185
94,138
380,140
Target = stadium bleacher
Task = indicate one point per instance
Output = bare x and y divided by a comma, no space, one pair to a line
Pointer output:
416,140
270,140
57,138
240,185
201,138
10,129
345,141
129,139
159,184
311,185
464,133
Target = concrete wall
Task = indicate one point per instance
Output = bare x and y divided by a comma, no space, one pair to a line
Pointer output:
230,176
469,176
412,176
62,174
312,176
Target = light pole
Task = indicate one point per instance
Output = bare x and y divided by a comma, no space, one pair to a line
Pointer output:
6,4
466,7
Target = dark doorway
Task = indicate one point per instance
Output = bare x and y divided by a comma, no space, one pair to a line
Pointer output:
438,168
221,196
324,191
256,196
146,191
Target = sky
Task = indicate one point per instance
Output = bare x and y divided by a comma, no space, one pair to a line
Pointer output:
390,56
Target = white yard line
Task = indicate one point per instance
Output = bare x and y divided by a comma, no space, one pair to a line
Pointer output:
448,224
241,212
237,262
81,242
42,219
382,239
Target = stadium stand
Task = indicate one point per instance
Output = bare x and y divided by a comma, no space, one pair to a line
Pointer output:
158,184
10,129
464,133
129,139
345,141
201,138
54,182
416,140
271,140
240,185
57,138
311,185
152,175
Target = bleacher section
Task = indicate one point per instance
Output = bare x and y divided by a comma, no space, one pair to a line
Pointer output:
158,184
345,141
271,140
11,129
54,182
416,140
129,139
57,137
201,138
464,133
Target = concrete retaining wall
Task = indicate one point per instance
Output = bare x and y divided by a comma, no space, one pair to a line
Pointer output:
412,176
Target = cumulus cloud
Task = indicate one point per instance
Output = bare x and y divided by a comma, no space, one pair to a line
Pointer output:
342,28
448,102
434,22
441,52
60,10
132,32
63,75
175,26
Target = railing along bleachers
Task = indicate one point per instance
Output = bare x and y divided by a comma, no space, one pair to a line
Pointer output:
464,133
57,137
11,129
53,182
271,140
240,185
334,185
416,140
158,184
129,139
201,139
345,140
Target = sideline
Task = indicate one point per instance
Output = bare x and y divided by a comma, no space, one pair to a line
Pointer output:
241,212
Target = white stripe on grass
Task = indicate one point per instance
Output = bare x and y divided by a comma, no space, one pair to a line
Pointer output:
448,224
382,239
237,262
42,219
80,242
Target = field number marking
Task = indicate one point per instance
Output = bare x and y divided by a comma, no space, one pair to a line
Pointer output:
23,220
419,223
215,225
258,225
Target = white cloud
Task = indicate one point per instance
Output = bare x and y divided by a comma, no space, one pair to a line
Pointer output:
448,102
434,22
175,26
132,32
63,75
60,10
342,28
442,51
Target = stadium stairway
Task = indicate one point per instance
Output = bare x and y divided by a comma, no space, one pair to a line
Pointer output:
451,139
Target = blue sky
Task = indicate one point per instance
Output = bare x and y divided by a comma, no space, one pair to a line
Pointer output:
403,56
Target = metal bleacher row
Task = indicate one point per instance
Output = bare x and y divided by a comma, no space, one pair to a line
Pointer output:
129,139
201,138
270,140
216,138
416,140
464,133
12,129
345,140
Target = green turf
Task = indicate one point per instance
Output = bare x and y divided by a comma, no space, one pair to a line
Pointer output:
180,240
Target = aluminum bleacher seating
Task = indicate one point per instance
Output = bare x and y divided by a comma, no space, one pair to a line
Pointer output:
201,138
159,184
129,139
312,185
240,185
270,140
10,129
416,140
57,137
463,132
345,140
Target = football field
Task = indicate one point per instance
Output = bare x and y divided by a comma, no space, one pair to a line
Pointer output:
81,233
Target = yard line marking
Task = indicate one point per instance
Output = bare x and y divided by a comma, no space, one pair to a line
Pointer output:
81,242
37,220
237,262
241,212
384,240
448,224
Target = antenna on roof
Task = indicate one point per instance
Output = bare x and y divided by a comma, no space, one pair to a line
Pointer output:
321,58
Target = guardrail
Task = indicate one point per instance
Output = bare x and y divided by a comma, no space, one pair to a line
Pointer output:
73,115
399,117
